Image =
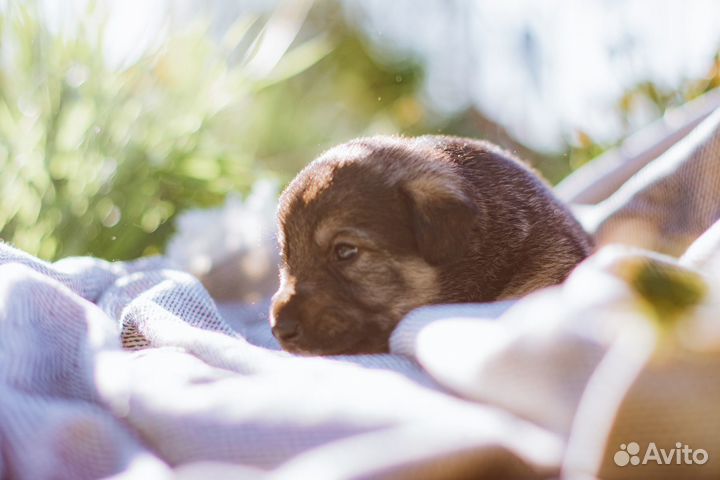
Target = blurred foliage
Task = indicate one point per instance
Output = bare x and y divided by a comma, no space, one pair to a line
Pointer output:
99,160
645,95
344,95
670,292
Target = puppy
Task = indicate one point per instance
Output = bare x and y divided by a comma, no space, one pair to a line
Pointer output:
379,226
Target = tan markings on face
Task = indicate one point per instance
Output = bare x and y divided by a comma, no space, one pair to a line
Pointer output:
331,228
423,285
398,285
325,231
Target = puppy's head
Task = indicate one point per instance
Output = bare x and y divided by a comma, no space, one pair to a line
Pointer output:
363,232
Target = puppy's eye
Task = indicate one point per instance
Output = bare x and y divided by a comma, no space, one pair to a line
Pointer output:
345,252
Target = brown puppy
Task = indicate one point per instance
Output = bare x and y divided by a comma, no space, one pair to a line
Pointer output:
379,226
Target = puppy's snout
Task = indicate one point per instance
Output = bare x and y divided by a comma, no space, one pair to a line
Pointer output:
286,329
287,320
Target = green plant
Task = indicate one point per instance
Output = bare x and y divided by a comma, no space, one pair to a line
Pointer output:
98,160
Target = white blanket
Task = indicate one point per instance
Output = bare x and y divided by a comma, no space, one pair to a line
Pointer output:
190,397
75,404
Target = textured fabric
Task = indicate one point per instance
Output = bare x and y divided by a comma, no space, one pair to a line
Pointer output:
670,202
200,401
189,395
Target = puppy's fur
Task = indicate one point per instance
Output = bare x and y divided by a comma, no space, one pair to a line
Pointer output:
379,226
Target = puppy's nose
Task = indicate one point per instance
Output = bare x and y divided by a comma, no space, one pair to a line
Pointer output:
286,329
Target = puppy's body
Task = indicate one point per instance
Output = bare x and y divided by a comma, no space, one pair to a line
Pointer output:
382,225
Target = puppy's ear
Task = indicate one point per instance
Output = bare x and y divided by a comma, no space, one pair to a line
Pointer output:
443,217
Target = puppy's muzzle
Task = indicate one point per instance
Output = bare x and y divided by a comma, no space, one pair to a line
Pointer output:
286,322
287,331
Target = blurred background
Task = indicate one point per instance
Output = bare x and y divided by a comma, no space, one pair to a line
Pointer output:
118,116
